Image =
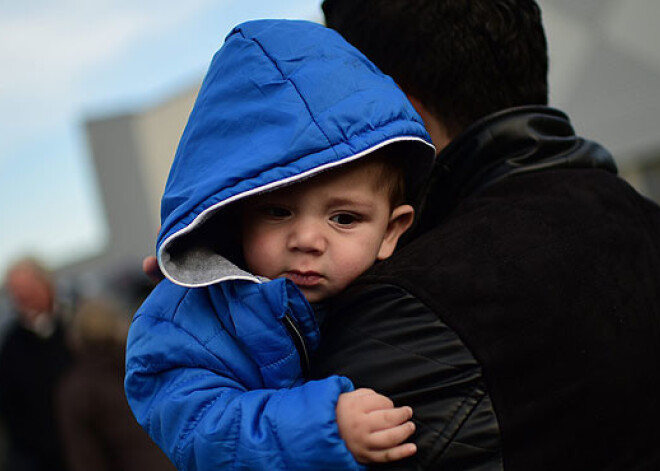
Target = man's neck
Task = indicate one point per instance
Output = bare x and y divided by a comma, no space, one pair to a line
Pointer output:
437,130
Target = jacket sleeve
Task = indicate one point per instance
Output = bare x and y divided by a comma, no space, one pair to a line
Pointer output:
202,415
382,337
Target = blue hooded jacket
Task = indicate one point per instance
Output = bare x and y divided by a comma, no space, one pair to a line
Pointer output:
216,355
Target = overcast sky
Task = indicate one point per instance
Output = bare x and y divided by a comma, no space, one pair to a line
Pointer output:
64,61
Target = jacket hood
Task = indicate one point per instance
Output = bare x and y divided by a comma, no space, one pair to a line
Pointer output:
282,101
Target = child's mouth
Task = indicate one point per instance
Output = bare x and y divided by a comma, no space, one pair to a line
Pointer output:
306,279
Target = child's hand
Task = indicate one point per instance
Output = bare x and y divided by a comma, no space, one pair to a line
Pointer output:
373,428
151,269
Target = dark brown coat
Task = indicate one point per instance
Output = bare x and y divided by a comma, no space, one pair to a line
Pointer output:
98,429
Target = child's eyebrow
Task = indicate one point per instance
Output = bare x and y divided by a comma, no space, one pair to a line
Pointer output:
348,201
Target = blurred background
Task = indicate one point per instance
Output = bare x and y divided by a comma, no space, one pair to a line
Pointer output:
94,96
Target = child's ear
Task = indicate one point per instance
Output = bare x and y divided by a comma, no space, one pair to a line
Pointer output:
400,220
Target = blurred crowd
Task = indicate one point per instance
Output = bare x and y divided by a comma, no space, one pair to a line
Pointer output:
62,403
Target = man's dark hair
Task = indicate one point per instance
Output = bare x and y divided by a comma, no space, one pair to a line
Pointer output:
463,59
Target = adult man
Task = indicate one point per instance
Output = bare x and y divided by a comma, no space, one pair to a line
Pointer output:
521,321
32,358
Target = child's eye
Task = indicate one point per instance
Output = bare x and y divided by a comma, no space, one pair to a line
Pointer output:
344,219
276,212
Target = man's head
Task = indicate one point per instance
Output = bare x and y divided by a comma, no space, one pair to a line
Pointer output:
459,59
324,232
30,287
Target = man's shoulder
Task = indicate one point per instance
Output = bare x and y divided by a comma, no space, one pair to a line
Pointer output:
546,204
512,233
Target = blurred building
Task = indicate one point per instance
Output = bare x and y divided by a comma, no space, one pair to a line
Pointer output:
132,153
605,73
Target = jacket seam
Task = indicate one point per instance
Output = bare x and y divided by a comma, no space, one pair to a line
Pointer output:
300,95
178,326
433,360
429,309
279,361
235,449
152,366
163,319
185,436
477,394
276,435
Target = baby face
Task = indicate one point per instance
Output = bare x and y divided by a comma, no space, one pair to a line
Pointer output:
322,233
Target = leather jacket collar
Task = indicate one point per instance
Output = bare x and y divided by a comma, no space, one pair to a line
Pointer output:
511,142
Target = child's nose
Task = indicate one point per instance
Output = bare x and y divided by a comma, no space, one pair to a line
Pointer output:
307,236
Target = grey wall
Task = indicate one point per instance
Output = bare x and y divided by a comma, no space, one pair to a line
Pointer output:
115,152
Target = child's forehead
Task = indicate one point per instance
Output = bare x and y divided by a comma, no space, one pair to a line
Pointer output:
361,176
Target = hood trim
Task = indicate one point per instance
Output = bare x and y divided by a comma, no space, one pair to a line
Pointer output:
233,272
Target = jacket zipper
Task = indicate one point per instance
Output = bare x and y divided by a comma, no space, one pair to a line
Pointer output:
299,342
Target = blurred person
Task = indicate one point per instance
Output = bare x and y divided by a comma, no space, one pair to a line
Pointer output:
99,432
521,320
33,357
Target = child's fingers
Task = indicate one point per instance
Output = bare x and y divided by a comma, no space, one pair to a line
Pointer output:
386,418
391,454
368,400
388,438
362,392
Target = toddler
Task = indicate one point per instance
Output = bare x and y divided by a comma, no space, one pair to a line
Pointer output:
289,182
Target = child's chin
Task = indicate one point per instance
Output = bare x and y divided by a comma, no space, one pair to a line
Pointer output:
314,296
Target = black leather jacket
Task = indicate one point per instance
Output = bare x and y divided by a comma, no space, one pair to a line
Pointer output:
521,320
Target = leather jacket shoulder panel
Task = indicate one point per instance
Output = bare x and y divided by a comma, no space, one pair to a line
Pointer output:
431,370
515,141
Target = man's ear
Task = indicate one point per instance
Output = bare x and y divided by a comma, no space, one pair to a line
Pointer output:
400,220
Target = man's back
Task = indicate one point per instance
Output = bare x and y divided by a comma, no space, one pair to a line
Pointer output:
524,330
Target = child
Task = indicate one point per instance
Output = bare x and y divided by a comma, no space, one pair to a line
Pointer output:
283,188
